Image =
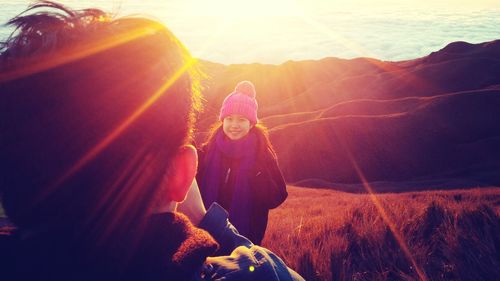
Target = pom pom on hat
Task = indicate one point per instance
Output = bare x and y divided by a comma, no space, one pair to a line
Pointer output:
242,102
245,87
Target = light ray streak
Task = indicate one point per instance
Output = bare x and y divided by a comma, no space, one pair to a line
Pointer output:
123,126
392,69
380,208
328,31
410,78
68,56
81,52
214,37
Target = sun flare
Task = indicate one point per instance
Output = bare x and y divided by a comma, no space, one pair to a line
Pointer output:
235,10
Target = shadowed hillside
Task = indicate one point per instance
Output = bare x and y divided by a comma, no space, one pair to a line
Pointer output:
446,136
331,235
430,119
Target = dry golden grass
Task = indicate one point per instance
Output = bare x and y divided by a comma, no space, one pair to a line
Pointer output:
331,235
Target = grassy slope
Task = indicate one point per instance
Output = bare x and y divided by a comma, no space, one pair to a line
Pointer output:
331,235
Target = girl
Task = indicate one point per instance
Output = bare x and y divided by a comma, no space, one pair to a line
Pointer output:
238,166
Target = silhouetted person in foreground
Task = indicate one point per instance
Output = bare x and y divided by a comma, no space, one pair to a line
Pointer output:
96,115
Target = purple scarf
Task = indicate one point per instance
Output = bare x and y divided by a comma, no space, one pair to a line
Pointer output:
244,150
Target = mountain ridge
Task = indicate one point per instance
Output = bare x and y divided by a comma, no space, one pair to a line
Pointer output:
402,120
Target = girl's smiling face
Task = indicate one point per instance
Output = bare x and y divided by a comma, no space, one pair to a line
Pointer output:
236,126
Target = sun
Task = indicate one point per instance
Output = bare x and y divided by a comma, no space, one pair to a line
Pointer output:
245,10
237,21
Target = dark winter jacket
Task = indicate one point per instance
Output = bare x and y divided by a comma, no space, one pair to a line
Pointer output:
268,188
172,249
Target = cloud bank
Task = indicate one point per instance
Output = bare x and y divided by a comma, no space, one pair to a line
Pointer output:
386,34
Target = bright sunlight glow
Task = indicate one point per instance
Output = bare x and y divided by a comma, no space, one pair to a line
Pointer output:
236,10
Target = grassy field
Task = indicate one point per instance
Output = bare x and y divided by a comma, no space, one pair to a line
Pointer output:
430,235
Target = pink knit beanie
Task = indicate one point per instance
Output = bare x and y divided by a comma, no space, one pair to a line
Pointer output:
241,101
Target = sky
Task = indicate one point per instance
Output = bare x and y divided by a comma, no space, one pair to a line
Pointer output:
275,31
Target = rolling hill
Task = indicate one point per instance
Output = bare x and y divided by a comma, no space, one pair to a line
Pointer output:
335,121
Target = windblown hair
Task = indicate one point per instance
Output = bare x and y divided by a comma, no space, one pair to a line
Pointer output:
93,109
43,32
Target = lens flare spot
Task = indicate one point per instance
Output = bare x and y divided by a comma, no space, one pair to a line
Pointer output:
251,268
